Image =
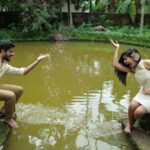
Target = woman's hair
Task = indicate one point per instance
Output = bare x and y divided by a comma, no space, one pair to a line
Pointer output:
135,55
6,45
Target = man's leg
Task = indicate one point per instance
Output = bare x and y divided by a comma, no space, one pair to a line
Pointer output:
10,100
18,90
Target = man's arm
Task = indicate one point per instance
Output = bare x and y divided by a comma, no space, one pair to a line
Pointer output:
31,66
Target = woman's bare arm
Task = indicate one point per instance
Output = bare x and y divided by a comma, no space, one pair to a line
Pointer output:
116,63
147,64
146,91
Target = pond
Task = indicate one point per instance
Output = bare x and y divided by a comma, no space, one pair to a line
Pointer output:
72,100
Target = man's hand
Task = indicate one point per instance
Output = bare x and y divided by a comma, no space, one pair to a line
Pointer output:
42,56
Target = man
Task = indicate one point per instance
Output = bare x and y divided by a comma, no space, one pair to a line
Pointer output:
10,94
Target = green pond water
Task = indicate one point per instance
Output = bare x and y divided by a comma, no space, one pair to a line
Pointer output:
72,100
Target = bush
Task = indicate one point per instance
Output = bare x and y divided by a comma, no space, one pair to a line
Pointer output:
126,34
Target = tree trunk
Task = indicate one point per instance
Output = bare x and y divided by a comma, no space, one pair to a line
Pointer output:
90,2
90,5
60,11
69,13
106,8
142,16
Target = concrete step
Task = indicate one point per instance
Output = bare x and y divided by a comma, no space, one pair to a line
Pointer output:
139,137
4,133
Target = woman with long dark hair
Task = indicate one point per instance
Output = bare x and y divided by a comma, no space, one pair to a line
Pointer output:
130,62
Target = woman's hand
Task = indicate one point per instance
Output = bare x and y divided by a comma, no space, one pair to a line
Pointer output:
146,91
42,56
114,43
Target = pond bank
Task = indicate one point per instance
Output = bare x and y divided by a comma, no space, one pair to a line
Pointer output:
139,137
5,131
74,34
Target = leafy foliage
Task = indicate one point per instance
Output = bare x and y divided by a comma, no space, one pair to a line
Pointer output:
125,34
123,6
128,6
99,5
9,5
132,10
34,16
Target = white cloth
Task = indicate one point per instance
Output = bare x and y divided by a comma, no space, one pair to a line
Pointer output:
6,68
142,76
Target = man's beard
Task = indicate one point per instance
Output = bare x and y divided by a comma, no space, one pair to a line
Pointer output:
6,58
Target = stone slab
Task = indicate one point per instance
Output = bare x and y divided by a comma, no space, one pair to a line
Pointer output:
4,133
139,137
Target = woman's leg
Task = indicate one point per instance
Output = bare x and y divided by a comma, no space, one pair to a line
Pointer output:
10,100
131,109
140,112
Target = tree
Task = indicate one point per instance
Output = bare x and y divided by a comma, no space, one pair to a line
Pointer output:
8,5
90,5
142,16
127,6
70,22
35,16
60,9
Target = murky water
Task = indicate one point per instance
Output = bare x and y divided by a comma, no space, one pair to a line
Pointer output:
72,100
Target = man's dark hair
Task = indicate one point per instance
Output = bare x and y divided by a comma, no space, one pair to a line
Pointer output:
6,45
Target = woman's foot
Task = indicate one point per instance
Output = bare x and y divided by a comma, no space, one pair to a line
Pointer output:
12,123
127,129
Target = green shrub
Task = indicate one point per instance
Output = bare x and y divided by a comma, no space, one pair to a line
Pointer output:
126,34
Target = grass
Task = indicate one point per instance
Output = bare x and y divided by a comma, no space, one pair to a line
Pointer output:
125,34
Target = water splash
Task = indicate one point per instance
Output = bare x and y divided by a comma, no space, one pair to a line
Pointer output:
39,114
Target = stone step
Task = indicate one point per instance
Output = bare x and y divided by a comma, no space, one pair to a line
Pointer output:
4,133
139,137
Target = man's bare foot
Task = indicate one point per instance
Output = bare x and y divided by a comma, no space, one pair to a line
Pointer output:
14,116
12,123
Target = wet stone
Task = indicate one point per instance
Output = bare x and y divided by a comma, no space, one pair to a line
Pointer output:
139,137
4,133
145,122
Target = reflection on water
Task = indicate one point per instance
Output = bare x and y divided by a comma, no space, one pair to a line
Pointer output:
109,100
74,119
72,101
39,114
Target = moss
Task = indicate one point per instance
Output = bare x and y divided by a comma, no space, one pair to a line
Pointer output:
4,132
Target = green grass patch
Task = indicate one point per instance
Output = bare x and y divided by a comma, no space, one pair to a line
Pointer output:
125,34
